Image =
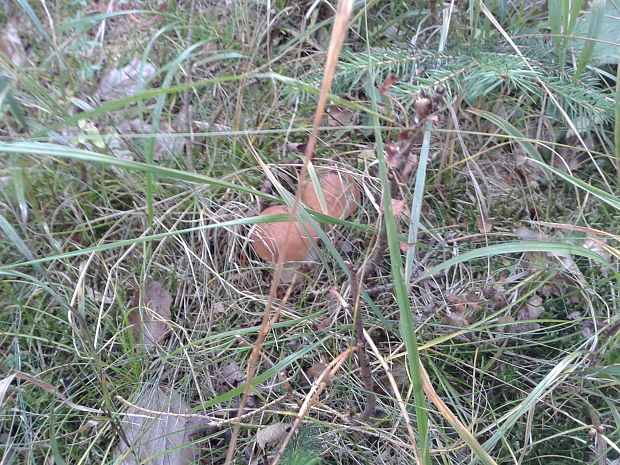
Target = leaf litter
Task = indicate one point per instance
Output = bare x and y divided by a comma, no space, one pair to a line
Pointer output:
151,323
272,433
155,428
119,83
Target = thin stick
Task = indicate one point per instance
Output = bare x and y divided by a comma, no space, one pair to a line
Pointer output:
316,389
339,32
211,422
266,326
365,371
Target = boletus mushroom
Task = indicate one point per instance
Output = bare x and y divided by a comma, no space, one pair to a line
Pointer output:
270,239
340,192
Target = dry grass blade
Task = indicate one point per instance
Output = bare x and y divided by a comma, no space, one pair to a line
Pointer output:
53,391
339,32
4,386
454,421
399,399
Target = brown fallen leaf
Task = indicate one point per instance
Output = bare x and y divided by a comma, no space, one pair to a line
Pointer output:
167,144
164,437
484,223
531,311
399,373
398,206
121,83
405,246
394,157
456,303
571,158
218,309
525,233
324,324
232,373
503,327
387,84
151,323
272,433
315,371
599,247
338,115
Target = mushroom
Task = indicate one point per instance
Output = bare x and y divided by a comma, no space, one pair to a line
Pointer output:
340,193
270,239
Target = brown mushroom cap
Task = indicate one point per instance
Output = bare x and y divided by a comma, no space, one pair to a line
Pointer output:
341,194
269,239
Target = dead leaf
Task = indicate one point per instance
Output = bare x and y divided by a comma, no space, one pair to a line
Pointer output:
232,373
386,86
599,247
561,286
316,370
394,157
456,303
167,144
525,233
150,324
532,310
272,433
567,262
484,223
337,115
405,246
121,83
505,328
568,159
324,324
398,206
456,319
399,373
218,309
150,434
11,45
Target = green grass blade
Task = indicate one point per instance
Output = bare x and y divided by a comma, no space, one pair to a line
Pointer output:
508,420
598,12
273,371
15,107
514,247
17,241
143,239
33,17
407,326
418,198
122,103
53,150
595,191
93,20
617,124
512,131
